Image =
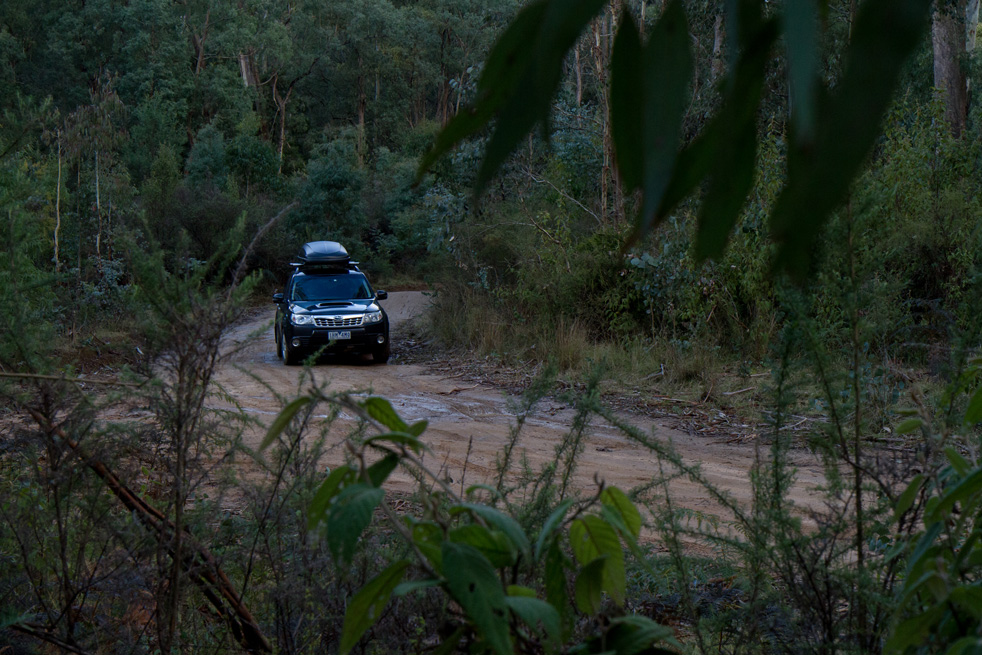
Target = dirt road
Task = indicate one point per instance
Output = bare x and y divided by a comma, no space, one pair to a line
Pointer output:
463,416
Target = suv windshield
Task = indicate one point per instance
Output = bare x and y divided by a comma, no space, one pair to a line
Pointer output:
345,286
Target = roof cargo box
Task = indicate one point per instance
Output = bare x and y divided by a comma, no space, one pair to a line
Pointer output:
329,253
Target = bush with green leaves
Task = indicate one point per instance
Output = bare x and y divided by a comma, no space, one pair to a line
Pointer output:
512,589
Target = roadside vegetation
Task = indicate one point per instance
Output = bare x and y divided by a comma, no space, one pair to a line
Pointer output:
160,163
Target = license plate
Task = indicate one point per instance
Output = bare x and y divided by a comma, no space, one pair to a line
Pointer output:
337,336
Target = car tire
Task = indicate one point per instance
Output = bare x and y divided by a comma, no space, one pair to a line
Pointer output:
381,356
279,344
292,356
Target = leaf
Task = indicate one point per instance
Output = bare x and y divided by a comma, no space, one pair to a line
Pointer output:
472,582
973,414
418,428
380,470
428,538
398,438
550,525
958,462
348,517
800,20
413,586
519,590
626,113
381,410
667,73
283,419
332,485
500,521
588,590
534,613
632,634
493,544
969,599
961,492
909,425
618,501
366,606
734,161
907,497
820,172
557,593
592,537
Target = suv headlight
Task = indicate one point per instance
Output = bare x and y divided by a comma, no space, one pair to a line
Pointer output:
373,317
301,319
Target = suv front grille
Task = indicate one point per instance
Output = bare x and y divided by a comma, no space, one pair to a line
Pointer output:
338,321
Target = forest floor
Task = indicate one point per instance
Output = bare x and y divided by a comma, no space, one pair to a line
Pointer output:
471,411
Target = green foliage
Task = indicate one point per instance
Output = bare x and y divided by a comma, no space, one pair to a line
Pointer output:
473,552
823,162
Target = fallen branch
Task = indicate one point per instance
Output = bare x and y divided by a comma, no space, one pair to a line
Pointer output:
733,393
198,562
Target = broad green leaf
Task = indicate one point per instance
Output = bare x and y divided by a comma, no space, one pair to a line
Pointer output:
382,411
500,521
912,630
734,161
969,599
348,517
592,537
535,613
800,20
428,538
667,73
366,606
632,634
958,462
924,545
418,428
380,470
961,492
820,172
906,499
549,527
618,501
588,589
337,480
626,113
472,582
519,590
909,425
557,592
973,414
493,544
283,419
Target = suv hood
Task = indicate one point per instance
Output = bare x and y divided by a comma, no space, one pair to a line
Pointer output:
333,306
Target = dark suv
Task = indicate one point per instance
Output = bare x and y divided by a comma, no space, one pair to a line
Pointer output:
328,303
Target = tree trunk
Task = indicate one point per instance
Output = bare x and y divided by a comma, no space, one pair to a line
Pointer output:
98,211
948,38
578,67
717,67
58,207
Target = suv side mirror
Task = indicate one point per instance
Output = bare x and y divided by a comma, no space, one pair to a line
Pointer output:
277,297
381,295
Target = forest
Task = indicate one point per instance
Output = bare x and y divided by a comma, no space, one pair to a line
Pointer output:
766,209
